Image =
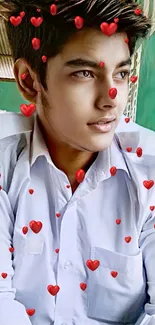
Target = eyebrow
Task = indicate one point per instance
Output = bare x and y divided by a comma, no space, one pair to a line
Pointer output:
79,62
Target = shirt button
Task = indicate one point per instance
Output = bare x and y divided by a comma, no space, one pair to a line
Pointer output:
66,266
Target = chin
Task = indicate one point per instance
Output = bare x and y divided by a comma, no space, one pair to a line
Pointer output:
101,143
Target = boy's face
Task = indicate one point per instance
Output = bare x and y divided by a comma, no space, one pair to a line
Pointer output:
79,95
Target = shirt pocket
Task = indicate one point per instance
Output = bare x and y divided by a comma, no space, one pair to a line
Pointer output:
116,289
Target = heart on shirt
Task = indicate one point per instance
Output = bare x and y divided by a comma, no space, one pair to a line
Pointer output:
25,230
114,274
148,184
152,207
127,119
139,152
129,149
118,221
128,239
35,226
83,286
93,265
113,171
4,275
11,249
53,290
30,312
31,191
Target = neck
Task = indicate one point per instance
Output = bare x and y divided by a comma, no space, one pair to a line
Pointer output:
67,158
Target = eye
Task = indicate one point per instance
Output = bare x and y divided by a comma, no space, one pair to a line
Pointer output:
84,73
124,74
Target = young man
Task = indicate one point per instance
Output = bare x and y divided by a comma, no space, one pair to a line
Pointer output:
77,198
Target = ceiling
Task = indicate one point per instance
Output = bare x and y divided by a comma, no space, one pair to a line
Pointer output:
6,61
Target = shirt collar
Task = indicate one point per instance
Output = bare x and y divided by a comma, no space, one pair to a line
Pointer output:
106,159
38,145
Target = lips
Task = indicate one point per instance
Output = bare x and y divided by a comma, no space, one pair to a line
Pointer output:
103,120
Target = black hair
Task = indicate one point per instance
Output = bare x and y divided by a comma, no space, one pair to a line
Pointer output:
56,30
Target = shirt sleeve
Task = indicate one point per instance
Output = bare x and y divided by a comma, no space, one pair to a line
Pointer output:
147,245
12,312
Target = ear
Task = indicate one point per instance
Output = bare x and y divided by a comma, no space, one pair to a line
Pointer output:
28,86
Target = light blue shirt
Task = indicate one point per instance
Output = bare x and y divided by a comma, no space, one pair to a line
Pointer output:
86,258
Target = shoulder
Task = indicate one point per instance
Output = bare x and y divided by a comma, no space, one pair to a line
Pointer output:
132,135
141,167
14,132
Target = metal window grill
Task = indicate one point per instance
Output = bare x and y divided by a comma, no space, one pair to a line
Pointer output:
131,108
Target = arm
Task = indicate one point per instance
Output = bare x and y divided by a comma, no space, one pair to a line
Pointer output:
147,245
11,311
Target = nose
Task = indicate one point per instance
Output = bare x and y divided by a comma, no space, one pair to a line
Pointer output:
107,95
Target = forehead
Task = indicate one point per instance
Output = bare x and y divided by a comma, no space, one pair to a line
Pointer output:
92,43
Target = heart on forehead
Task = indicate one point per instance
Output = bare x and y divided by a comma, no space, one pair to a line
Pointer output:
108,29
15,20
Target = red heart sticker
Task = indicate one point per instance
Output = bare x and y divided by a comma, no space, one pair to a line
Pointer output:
53,9
139,152
108,29
127,119
57,250
11,249
80,175
128,239
129,149
23,76
133,79
22,14
114,274
25,230
126,40
58,215
30,312
137,11
36,43
38,10
28,110
113,171
92,265
101,64
35,226
83,286
53,290
31,191
78,21
148,184
113,93
36,21
15,20
4,275
44,58
152,207
116,20
118,221
68,186
0,187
